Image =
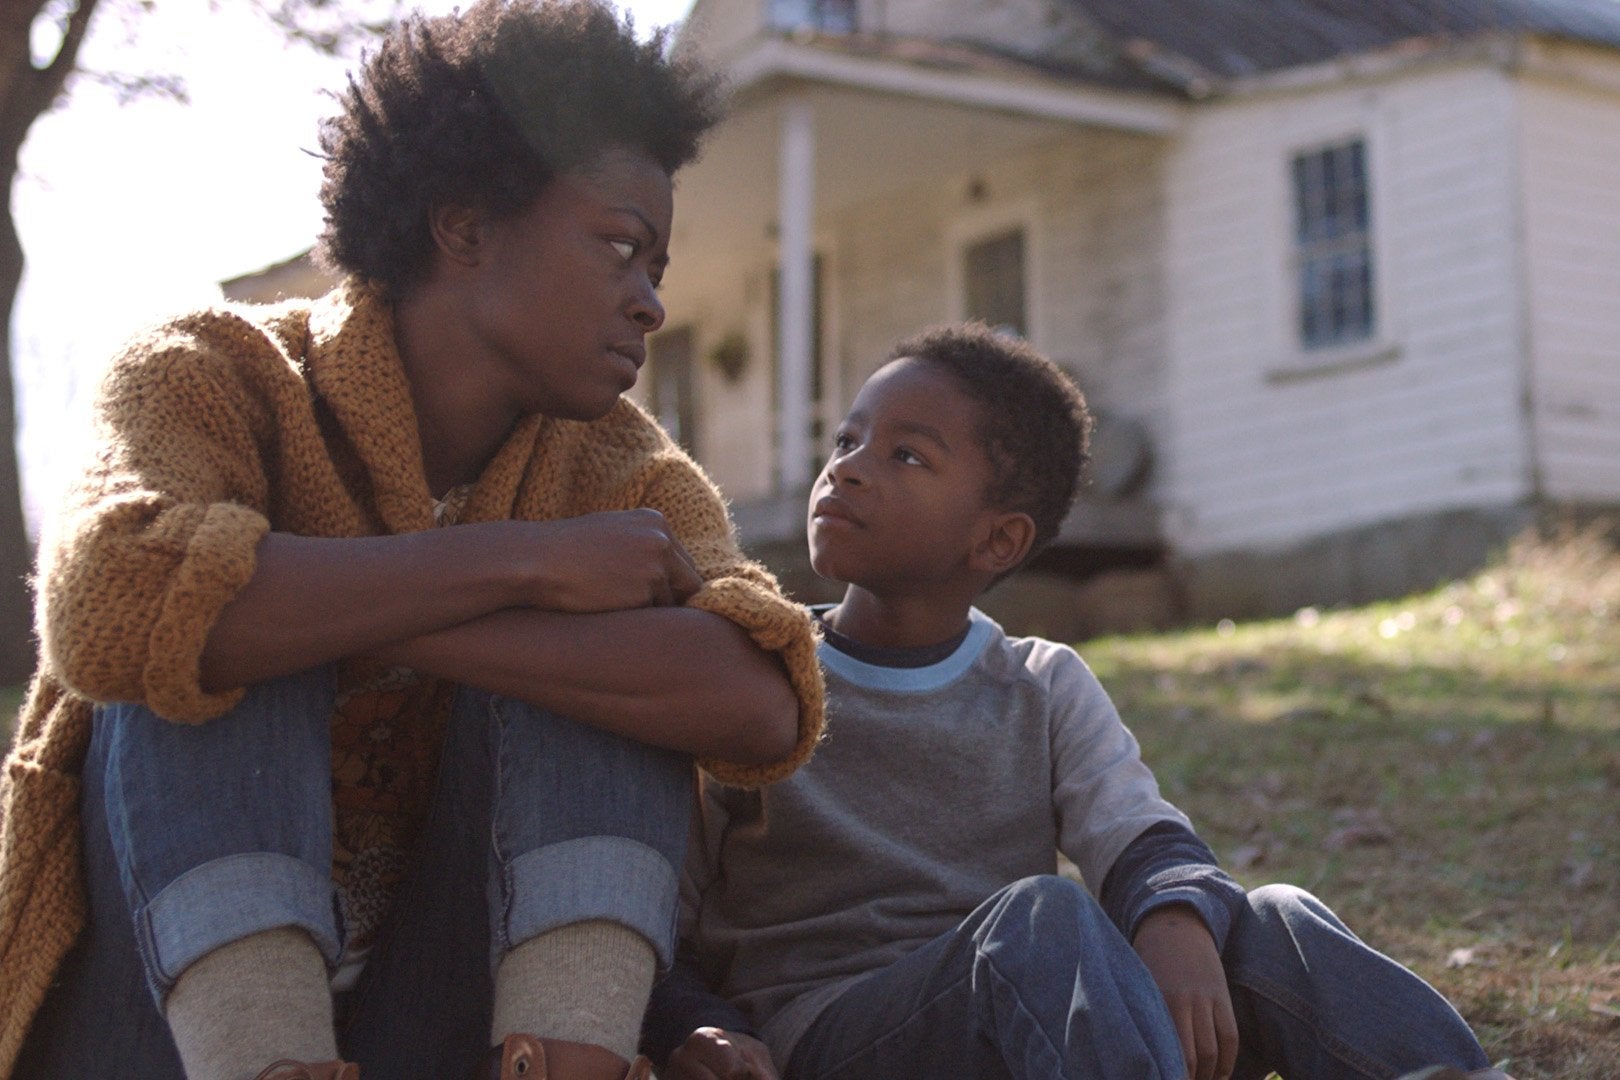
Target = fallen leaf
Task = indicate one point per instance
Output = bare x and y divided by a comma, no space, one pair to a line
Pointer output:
1460,958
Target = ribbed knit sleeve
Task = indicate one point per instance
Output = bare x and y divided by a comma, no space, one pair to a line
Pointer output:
745,593
160,532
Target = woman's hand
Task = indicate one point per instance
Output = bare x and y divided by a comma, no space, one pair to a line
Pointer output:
609,561
1179,952
711,1053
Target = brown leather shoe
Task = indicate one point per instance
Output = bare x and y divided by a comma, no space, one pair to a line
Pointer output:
524,1057
297,1070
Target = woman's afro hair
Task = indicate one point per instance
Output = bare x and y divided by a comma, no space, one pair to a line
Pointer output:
1034,421
483,109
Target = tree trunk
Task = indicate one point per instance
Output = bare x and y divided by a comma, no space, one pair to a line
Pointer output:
26,91
16,552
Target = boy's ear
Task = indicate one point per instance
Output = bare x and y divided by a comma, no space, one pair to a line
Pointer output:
458,232
1005,543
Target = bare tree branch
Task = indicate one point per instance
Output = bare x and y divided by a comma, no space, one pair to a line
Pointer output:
30,90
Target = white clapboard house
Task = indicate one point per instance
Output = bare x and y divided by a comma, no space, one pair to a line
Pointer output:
1341,277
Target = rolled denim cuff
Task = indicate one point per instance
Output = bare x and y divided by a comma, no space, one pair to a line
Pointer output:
590,877
227,899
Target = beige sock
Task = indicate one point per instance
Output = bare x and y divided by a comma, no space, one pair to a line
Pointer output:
251,1003
586,982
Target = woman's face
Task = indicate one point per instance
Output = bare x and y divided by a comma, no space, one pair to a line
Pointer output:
565,292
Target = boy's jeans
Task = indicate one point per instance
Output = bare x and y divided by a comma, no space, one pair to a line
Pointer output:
196,836
1038,984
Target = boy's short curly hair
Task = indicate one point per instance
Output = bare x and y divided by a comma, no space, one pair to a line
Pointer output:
1035,424
484,108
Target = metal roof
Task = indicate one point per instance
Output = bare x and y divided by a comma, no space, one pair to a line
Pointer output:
1237,38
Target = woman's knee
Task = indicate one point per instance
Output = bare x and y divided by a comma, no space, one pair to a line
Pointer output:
556,780
267,757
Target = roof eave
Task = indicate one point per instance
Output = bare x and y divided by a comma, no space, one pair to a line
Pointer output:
774,60
1501,48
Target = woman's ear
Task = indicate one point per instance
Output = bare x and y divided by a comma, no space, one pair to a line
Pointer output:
1005,543
458,233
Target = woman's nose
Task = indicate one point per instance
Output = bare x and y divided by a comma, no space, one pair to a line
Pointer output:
647,310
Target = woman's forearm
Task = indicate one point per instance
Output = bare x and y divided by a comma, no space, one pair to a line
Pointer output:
675,677
312,601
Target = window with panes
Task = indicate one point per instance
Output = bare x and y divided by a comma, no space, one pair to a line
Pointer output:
1333,245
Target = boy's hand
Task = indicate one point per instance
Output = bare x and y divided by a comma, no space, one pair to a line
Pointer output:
1177,948
710,1053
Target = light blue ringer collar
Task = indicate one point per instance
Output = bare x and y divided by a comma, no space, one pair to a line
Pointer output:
918,679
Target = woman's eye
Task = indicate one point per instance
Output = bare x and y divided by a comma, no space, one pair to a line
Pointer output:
901,453
625,248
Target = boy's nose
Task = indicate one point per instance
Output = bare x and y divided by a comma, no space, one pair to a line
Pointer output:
843,469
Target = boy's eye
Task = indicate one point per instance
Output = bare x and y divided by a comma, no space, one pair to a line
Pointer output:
625,248
842,441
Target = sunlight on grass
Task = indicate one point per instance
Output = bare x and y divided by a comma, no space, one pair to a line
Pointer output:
1443,769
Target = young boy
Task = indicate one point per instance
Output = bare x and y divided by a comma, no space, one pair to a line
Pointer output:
892,910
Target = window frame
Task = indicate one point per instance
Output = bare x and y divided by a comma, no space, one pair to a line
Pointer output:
1323,239
1295,358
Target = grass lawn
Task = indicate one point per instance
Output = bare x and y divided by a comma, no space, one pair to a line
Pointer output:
1444,771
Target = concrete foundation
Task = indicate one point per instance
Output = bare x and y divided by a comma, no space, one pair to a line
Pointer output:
1374,562
1072,599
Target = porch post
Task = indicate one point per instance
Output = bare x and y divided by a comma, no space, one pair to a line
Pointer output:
795,322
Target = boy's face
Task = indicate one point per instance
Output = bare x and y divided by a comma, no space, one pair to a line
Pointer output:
901,501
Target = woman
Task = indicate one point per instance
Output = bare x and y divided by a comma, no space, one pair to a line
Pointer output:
403,624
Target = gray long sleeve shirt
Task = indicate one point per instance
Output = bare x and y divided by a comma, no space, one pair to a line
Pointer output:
935,787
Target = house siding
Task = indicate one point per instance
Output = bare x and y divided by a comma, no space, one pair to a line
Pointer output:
1267,446
1093,203
1569,136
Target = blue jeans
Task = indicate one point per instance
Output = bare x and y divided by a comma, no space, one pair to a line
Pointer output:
1038,984
197,836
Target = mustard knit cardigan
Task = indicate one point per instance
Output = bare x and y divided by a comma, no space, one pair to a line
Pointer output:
220,426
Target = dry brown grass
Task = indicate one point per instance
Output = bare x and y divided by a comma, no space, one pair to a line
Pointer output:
1444,770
